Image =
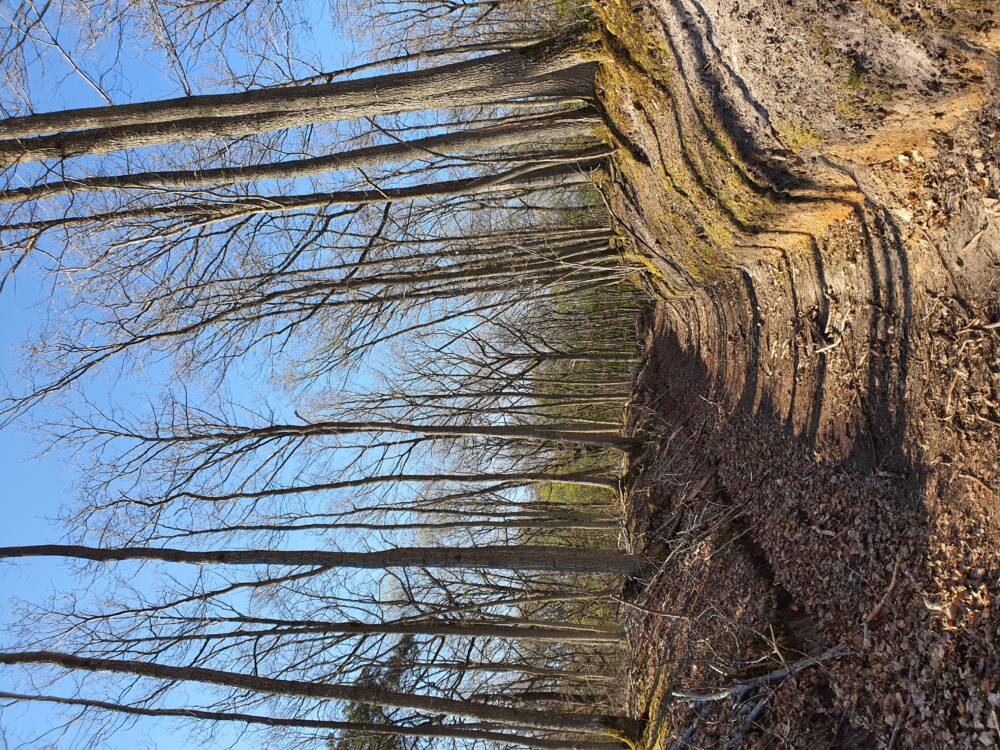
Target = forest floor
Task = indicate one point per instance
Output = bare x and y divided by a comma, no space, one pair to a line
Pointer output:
822,422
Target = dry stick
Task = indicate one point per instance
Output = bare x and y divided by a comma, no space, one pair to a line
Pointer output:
742,688
898,725
647,610
747,723
702,701
885,597
688,735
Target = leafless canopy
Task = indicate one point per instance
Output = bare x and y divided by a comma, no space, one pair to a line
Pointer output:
382,333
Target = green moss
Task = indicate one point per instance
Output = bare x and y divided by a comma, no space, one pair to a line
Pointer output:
854,79
796,135
708,195
570,11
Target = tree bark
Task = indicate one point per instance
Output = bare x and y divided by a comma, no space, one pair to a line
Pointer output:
514,74
585,479
469,732
490,46
551,720
222,210
488,557
527,669
527,630
553,520
601,435
548,56
574,124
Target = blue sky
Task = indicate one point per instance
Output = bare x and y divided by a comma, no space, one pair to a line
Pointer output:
35,481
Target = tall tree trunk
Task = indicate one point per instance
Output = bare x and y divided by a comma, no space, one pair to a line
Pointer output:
467,732
461,49
565,125
571,85
551,720
515,668
553,520
527,630
584,479
422,86
512,74
227,209
487,557
601,435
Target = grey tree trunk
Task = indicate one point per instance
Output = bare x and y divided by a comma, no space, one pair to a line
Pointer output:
222,210
574,124
527,630
585,479
609,725
467,731
508,75
515,557
600,435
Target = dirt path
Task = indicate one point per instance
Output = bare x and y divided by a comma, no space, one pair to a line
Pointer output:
821,389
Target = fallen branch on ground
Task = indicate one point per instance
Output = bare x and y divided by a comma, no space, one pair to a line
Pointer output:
742,688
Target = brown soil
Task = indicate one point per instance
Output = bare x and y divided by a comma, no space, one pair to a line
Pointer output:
820,392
